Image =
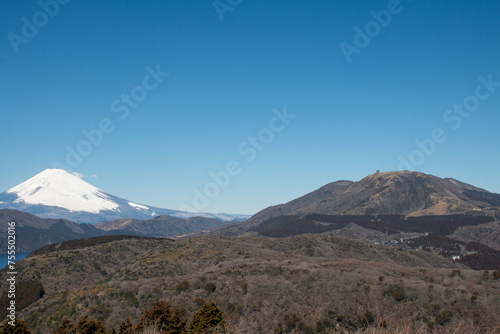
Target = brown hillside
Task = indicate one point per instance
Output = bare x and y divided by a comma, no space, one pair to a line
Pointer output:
402,193
263,284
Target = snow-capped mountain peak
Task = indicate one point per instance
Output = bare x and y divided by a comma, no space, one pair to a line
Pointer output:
56,187
55,193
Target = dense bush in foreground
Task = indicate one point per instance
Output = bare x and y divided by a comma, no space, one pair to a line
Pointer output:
160,318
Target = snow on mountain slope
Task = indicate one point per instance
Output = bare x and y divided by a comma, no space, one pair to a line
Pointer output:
138,206
56,187
55,193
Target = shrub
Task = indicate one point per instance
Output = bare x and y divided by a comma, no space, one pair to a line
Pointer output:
126,327
327,322
396,291
182,286
443,317
367,319
293,322
206,319
66,327
20,327
324,325
486,274
244,287
210,287
163,317
128,294
100,311
84,326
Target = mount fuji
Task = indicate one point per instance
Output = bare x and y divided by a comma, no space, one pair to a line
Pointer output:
55,193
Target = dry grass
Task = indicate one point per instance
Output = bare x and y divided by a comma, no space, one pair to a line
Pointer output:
262,283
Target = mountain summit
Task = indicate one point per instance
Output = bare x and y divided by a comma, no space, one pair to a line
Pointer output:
56,187
55,193
405,193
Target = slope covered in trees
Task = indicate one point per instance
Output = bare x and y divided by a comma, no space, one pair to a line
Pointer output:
306,283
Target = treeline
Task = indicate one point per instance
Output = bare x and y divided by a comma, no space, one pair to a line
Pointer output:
447,245
159,318
482,257
163,318
285,226
79,243
485,258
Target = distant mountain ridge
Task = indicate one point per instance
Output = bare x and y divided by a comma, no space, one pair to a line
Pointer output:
159,226
401,209
404,193
33,232
55,193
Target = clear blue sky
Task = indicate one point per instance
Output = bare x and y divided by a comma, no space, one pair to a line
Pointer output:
226,77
